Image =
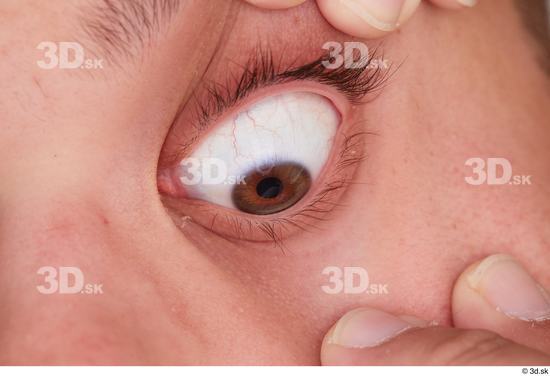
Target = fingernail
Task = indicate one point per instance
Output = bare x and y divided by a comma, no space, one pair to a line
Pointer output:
467,3
276,4
366,327
505,284
407,10
382,15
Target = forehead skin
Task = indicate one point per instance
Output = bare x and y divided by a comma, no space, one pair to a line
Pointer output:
78,154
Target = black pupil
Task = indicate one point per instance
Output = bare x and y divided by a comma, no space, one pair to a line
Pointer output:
269,187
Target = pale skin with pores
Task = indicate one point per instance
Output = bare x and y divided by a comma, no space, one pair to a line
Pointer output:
79,155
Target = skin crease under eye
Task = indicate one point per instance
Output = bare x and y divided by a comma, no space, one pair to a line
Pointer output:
292,127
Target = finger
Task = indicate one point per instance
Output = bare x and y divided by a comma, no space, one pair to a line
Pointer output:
367,18
371,337
499,295
454,4
275,4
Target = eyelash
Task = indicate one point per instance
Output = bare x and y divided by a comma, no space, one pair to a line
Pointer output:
275,228
321,203
259,72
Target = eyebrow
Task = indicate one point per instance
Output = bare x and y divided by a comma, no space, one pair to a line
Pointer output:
119,29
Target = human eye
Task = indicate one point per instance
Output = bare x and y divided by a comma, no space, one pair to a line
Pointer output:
271,157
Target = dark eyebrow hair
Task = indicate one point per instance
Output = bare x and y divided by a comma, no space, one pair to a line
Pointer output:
119,29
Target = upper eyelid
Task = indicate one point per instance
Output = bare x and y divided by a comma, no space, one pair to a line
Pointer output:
212,100
261,71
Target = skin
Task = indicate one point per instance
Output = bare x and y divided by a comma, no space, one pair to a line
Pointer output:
79,154
480,334
342,19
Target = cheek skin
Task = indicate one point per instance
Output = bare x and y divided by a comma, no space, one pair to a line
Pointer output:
155,284
421,224
413,224
179,304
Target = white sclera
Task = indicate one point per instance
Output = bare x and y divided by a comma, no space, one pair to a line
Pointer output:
292,127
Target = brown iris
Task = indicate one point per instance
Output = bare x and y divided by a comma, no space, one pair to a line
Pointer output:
272,190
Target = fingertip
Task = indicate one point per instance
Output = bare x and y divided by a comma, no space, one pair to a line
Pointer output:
454,4
360,330
275,4
327,351
468,306
500,285
407,11
367,18
349,21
